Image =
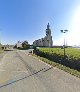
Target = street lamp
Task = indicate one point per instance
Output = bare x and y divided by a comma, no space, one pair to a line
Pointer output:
64,31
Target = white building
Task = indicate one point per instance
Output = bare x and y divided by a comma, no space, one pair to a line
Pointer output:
46,41
19,44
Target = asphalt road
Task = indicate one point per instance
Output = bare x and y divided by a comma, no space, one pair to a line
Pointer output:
20,72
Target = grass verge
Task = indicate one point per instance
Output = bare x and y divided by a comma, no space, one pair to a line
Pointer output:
64,68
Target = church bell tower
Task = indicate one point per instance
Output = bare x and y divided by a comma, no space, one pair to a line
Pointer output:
48,30
49,41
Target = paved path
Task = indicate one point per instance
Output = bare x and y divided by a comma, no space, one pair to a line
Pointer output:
20,72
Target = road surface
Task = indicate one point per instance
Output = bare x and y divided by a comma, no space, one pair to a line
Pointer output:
20,72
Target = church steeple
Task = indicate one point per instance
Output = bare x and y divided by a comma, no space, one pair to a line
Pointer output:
48,26
46,41
48,30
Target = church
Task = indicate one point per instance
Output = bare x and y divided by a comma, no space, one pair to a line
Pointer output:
46,41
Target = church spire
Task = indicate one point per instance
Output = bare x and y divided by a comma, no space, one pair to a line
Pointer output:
48,26
48,30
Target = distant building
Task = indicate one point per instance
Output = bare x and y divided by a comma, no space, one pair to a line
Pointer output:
22,44
46,41
7,47
19,44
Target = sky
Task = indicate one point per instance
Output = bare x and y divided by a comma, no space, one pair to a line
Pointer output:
27,20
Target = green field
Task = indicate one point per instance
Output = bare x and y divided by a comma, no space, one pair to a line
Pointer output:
70,52
71,60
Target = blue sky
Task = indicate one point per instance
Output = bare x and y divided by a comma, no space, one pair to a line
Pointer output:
27,19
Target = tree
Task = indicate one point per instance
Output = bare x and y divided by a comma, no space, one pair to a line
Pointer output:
25,45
